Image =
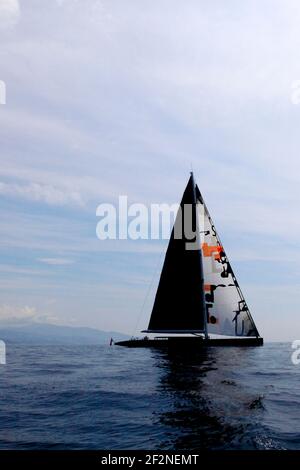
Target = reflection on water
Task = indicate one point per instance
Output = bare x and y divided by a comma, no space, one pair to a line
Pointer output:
210,408
190,416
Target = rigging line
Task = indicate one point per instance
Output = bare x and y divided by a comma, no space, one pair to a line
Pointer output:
148,292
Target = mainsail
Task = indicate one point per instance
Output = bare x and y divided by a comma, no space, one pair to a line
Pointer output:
179,305
198,291
227,310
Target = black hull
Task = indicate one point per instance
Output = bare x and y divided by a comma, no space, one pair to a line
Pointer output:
188,343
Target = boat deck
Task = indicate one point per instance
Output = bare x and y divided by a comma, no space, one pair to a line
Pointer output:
188,342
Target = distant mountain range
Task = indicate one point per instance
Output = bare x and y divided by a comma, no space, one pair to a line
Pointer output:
40,333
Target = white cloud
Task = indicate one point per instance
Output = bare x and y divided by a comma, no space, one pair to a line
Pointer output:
41,193
12,314
56,261
9,13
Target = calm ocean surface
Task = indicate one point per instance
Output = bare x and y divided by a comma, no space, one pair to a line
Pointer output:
116,398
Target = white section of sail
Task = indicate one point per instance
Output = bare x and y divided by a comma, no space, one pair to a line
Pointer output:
227,310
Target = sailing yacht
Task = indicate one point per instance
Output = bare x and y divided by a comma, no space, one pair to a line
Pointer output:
198,301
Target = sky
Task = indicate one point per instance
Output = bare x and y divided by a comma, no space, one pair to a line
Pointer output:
114,97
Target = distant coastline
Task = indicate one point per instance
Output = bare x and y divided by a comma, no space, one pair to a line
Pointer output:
47,334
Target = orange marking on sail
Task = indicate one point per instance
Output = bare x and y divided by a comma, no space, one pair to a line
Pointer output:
213,320
209,250
207,287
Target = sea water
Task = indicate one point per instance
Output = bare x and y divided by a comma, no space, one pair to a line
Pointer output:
101,397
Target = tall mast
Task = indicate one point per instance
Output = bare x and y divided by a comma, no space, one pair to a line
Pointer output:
200,257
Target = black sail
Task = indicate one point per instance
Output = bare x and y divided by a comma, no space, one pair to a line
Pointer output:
179,305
